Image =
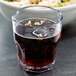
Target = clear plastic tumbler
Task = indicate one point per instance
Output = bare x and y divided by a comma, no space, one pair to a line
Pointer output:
37,30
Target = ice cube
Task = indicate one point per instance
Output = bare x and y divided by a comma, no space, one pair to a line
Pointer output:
42,21
40,32
29,23
37,23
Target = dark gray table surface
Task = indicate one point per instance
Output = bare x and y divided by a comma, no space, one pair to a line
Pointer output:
65,57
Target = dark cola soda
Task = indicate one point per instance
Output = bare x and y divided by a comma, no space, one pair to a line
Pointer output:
36,41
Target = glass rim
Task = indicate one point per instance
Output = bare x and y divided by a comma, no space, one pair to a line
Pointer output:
17,11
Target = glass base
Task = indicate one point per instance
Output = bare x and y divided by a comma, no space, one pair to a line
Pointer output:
36,69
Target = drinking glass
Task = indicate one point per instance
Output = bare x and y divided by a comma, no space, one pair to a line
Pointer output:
37,30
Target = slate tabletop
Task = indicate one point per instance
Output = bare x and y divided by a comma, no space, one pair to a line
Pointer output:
65,55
